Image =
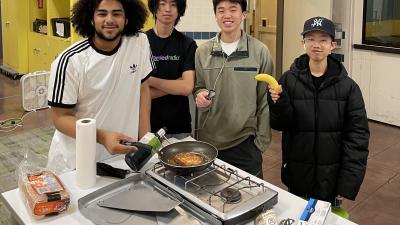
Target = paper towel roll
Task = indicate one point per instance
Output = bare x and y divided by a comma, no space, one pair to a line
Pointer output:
86,153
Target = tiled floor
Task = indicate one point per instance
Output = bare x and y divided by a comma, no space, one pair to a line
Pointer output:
378,202
11,107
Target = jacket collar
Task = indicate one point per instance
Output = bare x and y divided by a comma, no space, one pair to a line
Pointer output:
334,73
242,50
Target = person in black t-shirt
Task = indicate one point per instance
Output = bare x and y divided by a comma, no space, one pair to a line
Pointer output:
173,82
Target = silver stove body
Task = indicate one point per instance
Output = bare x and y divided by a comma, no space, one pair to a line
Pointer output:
206,190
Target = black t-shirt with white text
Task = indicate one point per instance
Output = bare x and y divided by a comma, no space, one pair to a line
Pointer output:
172,55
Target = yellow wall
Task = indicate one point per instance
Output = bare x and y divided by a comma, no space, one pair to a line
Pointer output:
14,34
26,51
150,22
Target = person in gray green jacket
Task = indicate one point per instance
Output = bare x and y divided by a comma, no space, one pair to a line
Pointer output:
232,105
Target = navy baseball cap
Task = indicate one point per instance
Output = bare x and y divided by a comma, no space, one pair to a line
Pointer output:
319,24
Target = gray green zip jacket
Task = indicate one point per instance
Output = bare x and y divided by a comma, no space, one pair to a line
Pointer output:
239,108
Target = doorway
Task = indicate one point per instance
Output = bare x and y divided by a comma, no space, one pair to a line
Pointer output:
266,24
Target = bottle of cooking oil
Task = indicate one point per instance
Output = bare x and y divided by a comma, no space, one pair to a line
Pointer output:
154,140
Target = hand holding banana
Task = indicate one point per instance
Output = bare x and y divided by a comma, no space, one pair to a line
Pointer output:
275,88
270,80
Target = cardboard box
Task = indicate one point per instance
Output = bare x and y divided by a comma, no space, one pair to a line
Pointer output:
315,212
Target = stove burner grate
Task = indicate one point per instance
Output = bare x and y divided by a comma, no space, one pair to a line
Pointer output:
231,195
225,184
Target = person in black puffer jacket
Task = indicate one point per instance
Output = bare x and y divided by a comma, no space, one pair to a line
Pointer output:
321,112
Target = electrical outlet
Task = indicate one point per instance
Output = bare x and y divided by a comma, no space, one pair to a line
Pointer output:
264,22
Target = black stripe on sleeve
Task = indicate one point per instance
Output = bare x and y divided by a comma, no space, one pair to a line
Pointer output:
153,67
152,62
152,73
59,82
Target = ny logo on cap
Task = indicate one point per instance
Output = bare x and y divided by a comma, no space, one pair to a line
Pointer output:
317,22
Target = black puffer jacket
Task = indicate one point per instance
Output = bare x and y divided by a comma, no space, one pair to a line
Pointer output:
325,132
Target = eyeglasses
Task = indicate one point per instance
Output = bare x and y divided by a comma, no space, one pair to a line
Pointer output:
312,41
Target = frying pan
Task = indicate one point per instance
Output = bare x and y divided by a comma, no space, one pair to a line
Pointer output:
208,152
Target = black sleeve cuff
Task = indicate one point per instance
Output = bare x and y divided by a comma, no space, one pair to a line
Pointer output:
60,105
152,73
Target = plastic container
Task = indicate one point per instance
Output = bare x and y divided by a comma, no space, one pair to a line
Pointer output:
34,90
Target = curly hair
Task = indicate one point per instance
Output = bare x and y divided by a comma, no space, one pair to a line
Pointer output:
83,12
242,3
181,5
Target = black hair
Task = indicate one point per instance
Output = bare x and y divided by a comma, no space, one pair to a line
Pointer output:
242,3
180,4
83,12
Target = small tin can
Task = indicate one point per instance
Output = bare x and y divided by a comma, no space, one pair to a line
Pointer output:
267,218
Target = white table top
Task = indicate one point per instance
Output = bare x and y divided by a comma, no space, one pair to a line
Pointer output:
288,206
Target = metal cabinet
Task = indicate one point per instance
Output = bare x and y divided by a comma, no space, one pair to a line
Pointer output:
25,49
14,31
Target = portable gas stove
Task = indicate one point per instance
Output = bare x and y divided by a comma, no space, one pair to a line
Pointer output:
232,196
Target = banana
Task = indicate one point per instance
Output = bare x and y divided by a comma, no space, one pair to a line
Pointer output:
269,79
